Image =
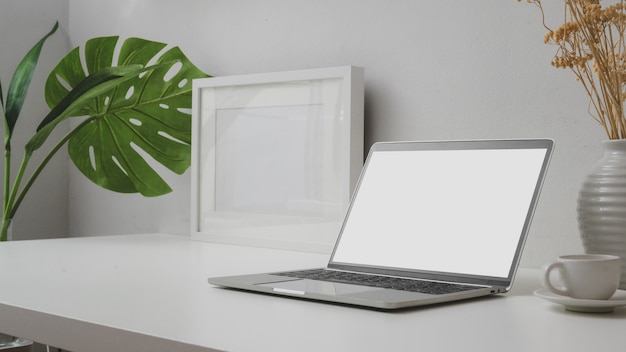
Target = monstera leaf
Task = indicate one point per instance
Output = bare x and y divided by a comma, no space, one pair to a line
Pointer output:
142,120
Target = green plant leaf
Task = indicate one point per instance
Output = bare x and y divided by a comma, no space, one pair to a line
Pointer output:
1,97
21,81
142,120
89,88
7,134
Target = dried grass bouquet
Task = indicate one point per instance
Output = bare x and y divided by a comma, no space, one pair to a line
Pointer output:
591,43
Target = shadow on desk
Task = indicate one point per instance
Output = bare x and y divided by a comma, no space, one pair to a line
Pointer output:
365,308
618,313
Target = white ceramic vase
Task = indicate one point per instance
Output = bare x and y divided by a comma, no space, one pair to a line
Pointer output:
602,205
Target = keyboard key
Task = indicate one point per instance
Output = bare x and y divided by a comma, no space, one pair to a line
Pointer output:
396,283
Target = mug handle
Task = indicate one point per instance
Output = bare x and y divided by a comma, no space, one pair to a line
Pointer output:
545,279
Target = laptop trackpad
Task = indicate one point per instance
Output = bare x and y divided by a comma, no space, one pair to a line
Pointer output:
302,286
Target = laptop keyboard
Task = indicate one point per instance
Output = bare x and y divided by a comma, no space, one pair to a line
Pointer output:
422,286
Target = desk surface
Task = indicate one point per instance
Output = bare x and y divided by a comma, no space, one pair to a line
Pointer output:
149,293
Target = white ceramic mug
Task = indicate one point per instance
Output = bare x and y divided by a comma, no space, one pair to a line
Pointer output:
585,276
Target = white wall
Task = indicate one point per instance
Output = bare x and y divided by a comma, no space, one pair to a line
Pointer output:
43,214
434,70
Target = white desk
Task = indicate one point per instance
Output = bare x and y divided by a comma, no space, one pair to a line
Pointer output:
149,293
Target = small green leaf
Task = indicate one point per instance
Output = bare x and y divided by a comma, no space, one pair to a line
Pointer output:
7,134
89,88
21,81
1,97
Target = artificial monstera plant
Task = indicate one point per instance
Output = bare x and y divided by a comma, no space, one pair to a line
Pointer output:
132,102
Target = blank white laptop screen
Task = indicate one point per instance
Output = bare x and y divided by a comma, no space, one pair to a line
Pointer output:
458,211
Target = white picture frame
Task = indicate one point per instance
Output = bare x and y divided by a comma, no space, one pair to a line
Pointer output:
276,156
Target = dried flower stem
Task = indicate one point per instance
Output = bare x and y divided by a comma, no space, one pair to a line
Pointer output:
591,43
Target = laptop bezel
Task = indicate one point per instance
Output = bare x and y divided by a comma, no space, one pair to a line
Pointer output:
504,282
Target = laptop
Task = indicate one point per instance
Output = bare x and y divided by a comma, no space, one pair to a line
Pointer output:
429,222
